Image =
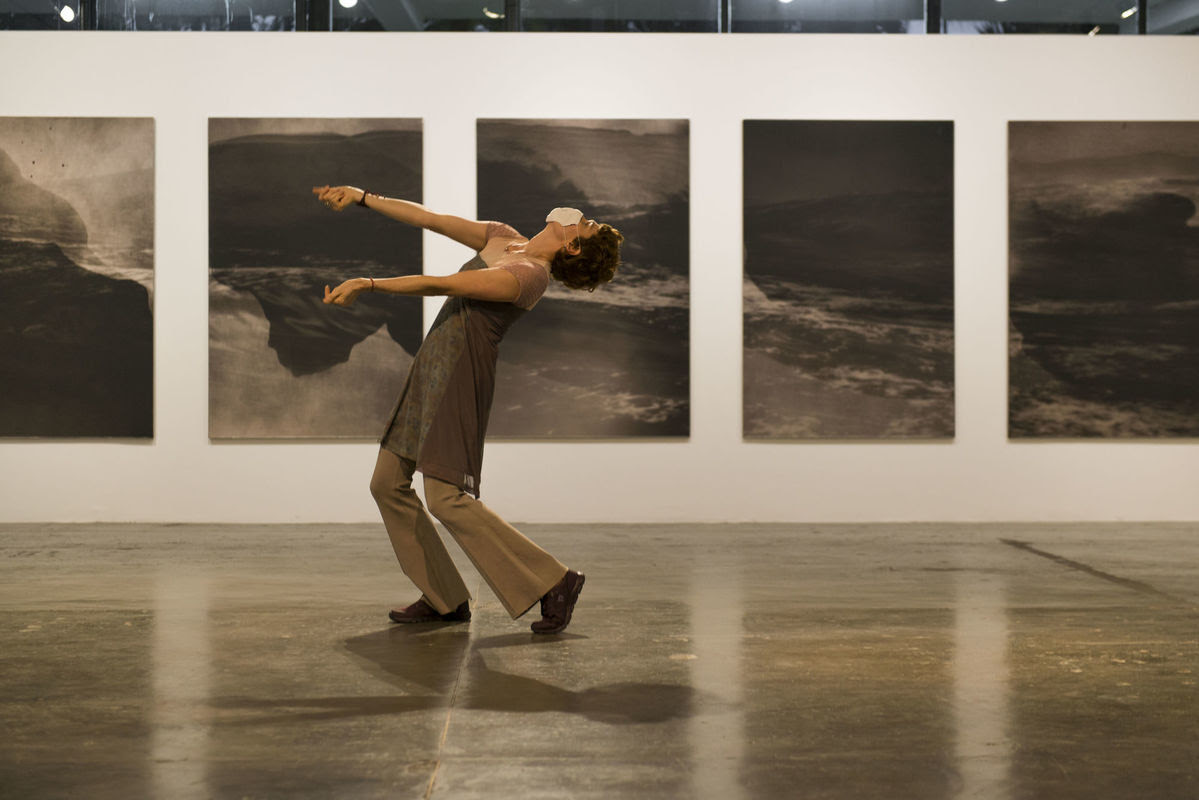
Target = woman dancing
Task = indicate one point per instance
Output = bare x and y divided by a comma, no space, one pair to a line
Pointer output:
440,421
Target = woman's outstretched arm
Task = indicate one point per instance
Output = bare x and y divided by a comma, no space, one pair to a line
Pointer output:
496,285
471,233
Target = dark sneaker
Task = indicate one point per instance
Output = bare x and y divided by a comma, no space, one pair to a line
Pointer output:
559,603
421,611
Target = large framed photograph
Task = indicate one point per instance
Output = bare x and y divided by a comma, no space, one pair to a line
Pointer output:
1104,280
77,277
612,363
282,364
848,284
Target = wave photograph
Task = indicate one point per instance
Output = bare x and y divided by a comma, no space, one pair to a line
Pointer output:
848,282
282,364
613,363
1104,280
77,277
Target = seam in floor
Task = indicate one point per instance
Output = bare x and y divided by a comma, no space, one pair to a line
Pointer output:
1136,586
445,731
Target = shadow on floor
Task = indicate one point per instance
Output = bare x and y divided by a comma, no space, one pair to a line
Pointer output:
405,656
615,703
431,658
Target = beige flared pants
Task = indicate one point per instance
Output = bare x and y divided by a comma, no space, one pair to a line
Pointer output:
517,570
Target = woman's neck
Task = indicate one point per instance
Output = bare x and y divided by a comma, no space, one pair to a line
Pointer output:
542,247
521,249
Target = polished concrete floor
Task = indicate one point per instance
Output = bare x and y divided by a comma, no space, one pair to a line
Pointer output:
727,661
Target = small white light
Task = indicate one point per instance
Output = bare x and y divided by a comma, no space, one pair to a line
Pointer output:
67,14
1129,13
347,3
1000,1
487,12
785,2
1093,31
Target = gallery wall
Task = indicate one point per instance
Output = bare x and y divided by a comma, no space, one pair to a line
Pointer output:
449,81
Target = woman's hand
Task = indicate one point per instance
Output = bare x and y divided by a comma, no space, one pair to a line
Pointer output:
338,197
346,293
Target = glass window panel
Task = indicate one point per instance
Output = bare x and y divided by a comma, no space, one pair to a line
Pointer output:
1037,16
196,15
1171,17
828,16
417,15
665,16
39,15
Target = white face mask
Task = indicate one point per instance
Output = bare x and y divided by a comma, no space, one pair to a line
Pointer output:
565,216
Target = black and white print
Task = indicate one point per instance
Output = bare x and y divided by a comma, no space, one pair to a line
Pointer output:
848,288
1104,279
614,362
282,364
76,277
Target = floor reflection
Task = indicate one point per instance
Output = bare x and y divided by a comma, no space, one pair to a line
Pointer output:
293,710
835,662
717,729
981,677
182,660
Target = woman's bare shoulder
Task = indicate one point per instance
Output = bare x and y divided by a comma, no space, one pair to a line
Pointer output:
502,230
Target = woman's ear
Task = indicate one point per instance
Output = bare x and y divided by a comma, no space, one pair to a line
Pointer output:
574,246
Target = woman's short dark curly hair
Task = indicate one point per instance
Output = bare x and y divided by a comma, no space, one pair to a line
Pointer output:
595,263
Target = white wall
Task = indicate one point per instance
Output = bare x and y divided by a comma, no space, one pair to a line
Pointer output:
715,81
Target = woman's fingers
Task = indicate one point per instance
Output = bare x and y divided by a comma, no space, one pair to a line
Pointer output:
339,296
331,196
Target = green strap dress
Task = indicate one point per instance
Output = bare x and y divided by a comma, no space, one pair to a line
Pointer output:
440,420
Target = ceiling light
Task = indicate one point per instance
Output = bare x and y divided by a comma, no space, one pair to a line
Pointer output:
347,3
785,2
67,13
1129,13
487,12
1093,31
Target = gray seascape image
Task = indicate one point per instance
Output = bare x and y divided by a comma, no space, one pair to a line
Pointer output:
76,277
848,288
281,363
1104,279
614,362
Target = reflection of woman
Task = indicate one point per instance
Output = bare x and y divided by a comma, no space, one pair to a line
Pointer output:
440,422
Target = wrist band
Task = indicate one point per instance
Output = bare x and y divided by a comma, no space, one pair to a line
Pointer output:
372,284
362,202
